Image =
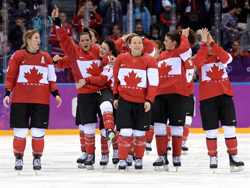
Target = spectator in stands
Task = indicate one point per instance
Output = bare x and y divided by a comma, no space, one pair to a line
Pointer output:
16,33
166,17
237,52
140,14
95,39
22,11
42,23
117,32
3,36
155,33
245,12
139,29
198,43
229,26
111,12
79,21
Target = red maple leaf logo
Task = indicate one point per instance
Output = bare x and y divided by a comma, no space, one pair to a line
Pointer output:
94,70
164,70
215,74
132,80
33,76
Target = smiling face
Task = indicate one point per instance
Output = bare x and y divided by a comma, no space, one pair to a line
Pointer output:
85,42
169,44
104,50
34,43
136,46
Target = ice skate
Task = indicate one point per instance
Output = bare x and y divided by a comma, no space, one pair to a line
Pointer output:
104,161
148,148
90,161
115,159
80,161
110,135
169,147
213,163
184,148
138,164
122,165
176,162
37,165
161,161
18,164
235,164
129,160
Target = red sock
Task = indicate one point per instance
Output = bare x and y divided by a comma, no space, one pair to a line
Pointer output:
90,143
123,147
150,135
185,132
104,146
168,133
19,145
231,144
212,147
108,120
115,141
82,141
176,146
140,144
132,146
161,144
37,146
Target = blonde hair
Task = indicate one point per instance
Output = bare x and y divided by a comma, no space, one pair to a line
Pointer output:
26,36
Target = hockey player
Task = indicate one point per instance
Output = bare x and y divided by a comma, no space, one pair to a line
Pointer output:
215,98
135,84
31,77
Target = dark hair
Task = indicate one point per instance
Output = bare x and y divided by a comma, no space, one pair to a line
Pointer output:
119,27
158,43
96,35
154,26
192,38
176,36
84,32
62,12
112,47
130,39
215,39
8,43
236,41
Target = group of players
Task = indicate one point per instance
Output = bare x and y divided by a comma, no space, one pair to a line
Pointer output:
130,92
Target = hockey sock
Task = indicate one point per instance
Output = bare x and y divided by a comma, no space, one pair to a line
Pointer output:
37,146
19,145
108,120
185,132
82,141
161,144
140,147
231,144
90,143
168,133
123,147
176,145
150,135
132,146
115,141
104,146
212,147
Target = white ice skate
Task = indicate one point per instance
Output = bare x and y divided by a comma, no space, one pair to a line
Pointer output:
37,166
161,161
148,148
235,164
18,165
122,165
213,163
115,159
80,161
104,161
129,161
184,148
138,165
176,162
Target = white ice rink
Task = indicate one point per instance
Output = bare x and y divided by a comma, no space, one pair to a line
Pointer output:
59,168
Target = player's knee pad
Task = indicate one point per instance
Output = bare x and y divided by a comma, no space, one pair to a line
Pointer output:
89,128
103,133
138,134
81,128
37,133
176,130
188,120
106,106
212,134
229,131
126,132
160,129
21,133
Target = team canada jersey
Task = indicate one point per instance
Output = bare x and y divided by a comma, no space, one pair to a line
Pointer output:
172,73
106,76
189,65
32,76
56,48
136,78
214,80
149,46
83,64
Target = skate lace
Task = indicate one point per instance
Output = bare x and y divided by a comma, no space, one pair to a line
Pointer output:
104,158
148,145
138,162
122,163
184,144
84,155
176,159
37,162
115,153
130,158
213,160
160,159
19,162
235,158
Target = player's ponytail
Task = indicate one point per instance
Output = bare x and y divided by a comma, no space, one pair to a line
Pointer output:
85,32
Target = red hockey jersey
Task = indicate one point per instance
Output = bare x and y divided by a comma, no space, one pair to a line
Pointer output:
83,64
214,80
136,78
32,76
78,22
189,66
172,73
56,48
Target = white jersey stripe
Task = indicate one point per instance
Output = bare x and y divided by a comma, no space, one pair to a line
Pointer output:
153,76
